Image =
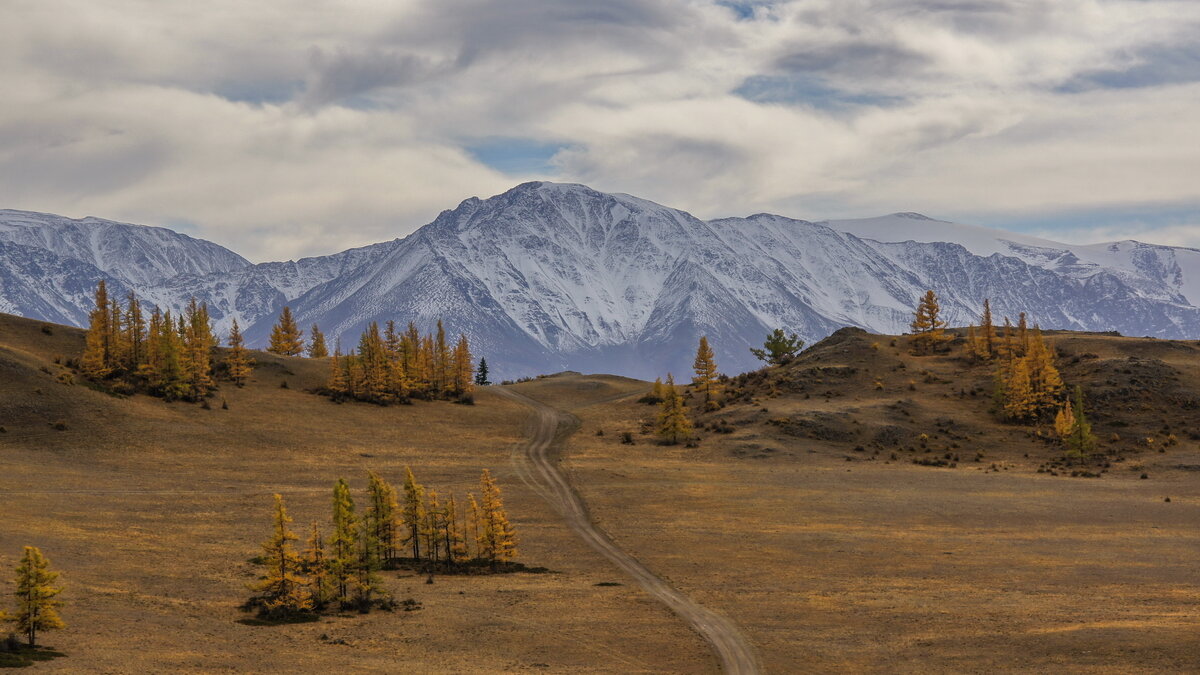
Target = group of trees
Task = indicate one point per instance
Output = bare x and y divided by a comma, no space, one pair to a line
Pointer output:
287,339
391,366
343,570
36,594
1028,385
168,356
673,423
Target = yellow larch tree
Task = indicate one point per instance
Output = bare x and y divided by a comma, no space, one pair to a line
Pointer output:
413,514
286,337
343,543
285,590
96,362
498,540
238,363
705,379
316,343
927,326
36,595
315,566
673,422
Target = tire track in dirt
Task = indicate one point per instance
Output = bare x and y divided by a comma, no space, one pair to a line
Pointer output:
536,464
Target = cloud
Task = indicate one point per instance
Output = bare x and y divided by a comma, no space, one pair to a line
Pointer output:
281,129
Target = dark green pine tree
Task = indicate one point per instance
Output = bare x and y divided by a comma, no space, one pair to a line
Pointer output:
481,374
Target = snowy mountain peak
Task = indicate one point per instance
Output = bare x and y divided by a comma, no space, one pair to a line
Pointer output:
551,276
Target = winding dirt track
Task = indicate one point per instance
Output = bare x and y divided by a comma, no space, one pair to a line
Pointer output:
536,464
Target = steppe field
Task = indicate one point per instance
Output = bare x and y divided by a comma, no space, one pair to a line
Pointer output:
800,517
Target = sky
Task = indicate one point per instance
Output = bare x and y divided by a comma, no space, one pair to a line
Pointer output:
283,129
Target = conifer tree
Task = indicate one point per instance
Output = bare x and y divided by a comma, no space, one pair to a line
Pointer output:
118,352
481,373
476,524
343,544
338,384
779,348
382,514
316,344
315,566
456,545
37,596
198,343
927,327
498,540
238,362
463,384
169,379
1064,421
987,332
441,361
285,590
1044,377
705,380
286,337
1022,334
673,422
1020,402
1079,440
366,583
431,528
135,335
97,362
413,516
658,393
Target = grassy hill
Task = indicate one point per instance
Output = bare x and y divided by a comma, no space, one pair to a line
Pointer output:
801,515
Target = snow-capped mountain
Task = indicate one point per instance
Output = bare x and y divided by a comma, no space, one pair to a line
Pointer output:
551,276
136,254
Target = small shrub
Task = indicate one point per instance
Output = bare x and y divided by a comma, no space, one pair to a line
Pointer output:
599,432
65,378
224,404
627,437
47,329
283,384
59,426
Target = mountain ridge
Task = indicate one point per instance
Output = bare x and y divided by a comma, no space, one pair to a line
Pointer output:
557,276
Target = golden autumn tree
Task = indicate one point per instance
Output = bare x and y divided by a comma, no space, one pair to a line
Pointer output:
36,595
1074,428
498,540
673,422
462,370
198,343
286,337
96,362
927,327
1044,377
382,515
705,379
413,515
1020,401
285,590
315,566
456,543
984,342
238,363
343,543
316,343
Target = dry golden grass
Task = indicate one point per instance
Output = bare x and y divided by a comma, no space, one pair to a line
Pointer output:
873,565
150,511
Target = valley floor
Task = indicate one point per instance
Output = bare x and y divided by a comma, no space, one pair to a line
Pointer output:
151,512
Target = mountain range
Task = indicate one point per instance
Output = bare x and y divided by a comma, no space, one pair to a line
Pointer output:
552,276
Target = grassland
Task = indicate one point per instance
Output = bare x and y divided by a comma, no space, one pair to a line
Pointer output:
804,519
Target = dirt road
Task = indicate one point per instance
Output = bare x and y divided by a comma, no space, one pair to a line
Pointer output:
538,467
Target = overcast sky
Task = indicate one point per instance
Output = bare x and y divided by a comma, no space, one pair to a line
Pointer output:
283,129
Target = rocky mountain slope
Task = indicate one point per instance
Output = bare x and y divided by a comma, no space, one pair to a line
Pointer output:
553,276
